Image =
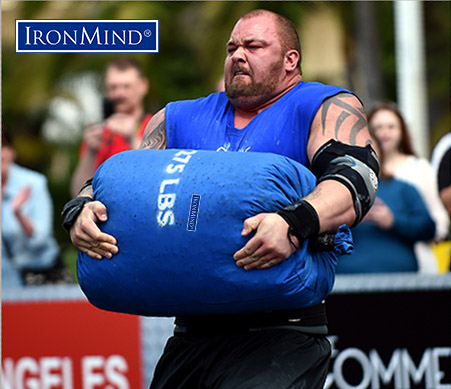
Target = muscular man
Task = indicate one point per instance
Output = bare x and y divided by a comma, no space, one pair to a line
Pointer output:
266,107
125,87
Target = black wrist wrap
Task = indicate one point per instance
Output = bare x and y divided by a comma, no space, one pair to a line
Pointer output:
302,219
72,209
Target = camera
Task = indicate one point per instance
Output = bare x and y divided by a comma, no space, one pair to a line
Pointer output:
108,107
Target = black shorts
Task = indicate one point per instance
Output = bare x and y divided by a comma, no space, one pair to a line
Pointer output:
264,359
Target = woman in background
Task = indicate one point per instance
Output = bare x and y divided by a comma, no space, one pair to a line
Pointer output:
388,126
384,240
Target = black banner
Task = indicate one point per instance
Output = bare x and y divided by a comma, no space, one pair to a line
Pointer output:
390,340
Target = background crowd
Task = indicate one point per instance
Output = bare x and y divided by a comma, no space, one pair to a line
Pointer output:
64,114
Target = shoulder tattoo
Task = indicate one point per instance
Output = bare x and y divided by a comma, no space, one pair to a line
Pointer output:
343,111
155,134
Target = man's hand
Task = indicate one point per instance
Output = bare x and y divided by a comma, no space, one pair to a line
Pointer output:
21,198
18,201
123,124
86,235
269,246
92,136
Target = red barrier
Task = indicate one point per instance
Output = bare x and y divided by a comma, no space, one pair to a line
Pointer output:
69,345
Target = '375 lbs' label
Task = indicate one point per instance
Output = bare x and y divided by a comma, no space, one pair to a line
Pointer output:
168,188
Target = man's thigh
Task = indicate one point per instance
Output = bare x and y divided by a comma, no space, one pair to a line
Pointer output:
278,359
266,359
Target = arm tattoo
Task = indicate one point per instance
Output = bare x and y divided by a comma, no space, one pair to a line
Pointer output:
347,110
340,120
154,137
314,194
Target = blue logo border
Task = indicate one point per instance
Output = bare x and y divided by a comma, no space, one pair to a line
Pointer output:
99,21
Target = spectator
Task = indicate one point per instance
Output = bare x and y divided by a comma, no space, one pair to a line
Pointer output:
384,241
30,253
124,123
441,161
389,127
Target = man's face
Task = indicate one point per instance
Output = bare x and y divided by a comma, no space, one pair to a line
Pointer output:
254,66
126,88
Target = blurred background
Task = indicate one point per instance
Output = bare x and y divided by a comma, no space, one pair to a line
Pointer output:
376,49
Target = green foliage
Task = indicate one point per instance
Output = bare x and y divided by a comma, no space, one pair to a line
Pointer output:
438,66
387,48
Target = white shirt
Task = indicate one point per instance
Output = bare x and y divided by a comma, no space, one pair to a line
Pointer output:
420,173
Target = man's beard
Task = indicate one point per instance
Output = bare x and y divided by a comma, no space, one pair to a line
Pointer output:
236,88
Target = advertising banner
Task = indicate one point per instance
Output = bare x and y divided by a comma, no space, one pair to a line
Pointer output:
382,338
390,340
69,345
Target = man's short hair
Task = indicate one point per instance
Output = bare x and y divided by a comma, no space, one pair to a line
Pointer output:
288,34
125,63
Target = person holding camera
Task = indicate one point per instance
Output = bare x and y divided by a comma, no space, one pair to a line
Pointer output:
124,119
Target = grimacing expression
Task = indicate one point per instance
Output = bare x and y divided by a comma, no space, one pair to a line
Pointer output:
254,65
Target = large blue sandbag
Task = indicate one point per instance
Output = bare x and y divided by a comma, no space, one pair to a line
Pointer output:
177,216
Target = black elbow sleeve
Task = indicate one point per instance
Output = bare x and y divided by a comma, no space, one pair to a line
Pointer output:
355,167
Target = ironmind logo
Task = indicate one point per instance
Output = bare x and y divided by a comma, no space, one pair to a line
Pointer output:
92,36
193,212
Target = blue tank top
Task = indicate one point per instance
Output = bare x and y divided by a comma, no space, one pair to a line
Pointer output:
282,128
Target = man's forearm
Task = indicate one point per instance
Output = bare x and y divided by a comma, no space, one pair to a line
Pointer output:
25,222
326,208
86,190
84,170
73,207
333,204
